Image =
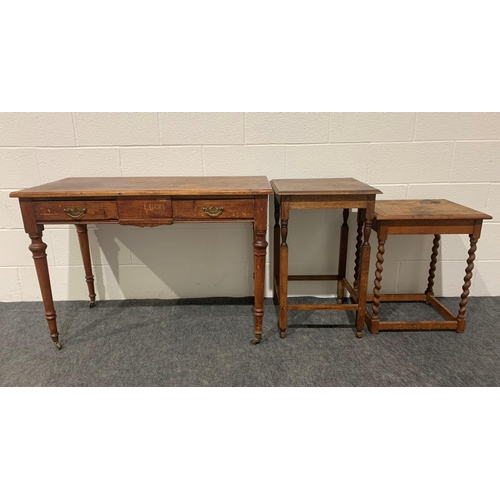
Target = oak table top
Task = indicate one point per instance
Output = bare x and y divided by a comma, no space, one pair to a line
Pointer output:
148,186
424,210
333,186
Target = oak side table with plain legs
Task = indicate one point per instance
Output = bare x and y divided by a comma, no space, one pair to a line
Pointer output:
423,217
143,202
305,194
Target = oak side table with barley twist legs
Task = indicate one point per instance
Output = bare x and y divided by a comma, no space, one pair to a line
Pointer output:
423,217
305,194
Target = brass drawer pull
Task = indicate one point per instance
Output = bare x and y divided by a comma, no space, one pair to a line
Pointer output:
213,211
75,212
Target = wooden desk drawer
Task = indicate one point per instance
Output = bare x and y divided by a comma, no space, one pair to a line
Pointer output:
75,210
213,209
145,208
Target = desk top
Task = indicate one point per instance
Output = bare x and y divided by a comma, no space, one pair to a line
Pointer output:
339,186
424,209
148,186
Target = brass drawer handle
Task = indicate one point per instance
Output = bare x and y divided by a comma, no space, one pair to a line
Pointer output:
213,211
75,212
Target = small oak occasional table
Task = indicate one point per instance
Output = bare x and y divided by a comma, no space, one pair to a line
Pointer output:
423,217
143,202
305,194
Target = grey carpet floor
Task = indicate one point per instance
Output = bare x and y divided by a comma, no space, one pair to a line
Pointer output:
206,342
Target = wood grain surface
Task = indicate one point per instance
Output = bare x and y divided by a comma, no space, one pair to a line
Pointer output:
147,186
335,186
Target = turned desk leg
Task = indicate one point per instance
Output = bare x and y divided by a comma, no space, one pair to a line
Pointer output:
83,238
379,267
344,236
259,252
364,269
432,267
466,285
38,248
359,242
276,250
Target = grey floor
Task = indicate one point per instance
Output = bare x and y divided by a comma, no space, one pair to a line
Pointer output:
205,342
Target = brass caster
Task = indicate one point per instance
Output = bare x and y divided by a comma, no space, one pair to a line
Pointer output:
92,304
58,345
283,334
359,334
256,340
340,300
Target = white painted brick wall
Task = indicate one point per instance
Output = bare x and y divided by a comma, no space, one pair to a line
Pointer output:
406,155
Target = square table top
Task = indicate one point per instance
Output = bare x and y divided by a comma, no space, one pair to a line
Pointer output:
148,186
424,209
328,186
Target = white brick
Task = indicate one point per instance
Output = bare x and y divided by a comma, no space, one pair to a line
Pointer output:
184,280
245,160
419,247
36,129
456,247
230,243
161,161
10,289
486,280
310,288
137,282
116,129
14,249
202,128
268,283
371,127
166,246
313,237
339,160
389,276
493,205
18,168
410,162
232,279
405,247
106,247
455,126
470,195
10,213
488,246
68,283
476,162
391,191
449,279
57,164
286,128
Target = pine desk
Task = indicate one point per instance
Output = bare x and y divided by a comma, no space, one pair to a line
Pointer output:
144,202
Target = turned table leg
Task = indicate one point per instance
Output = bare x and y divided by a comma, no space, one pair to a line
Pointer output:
83,238
364,269
466,285
259,252
432,267
283,294
379,267
344,235
276,250
38,248
359,242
